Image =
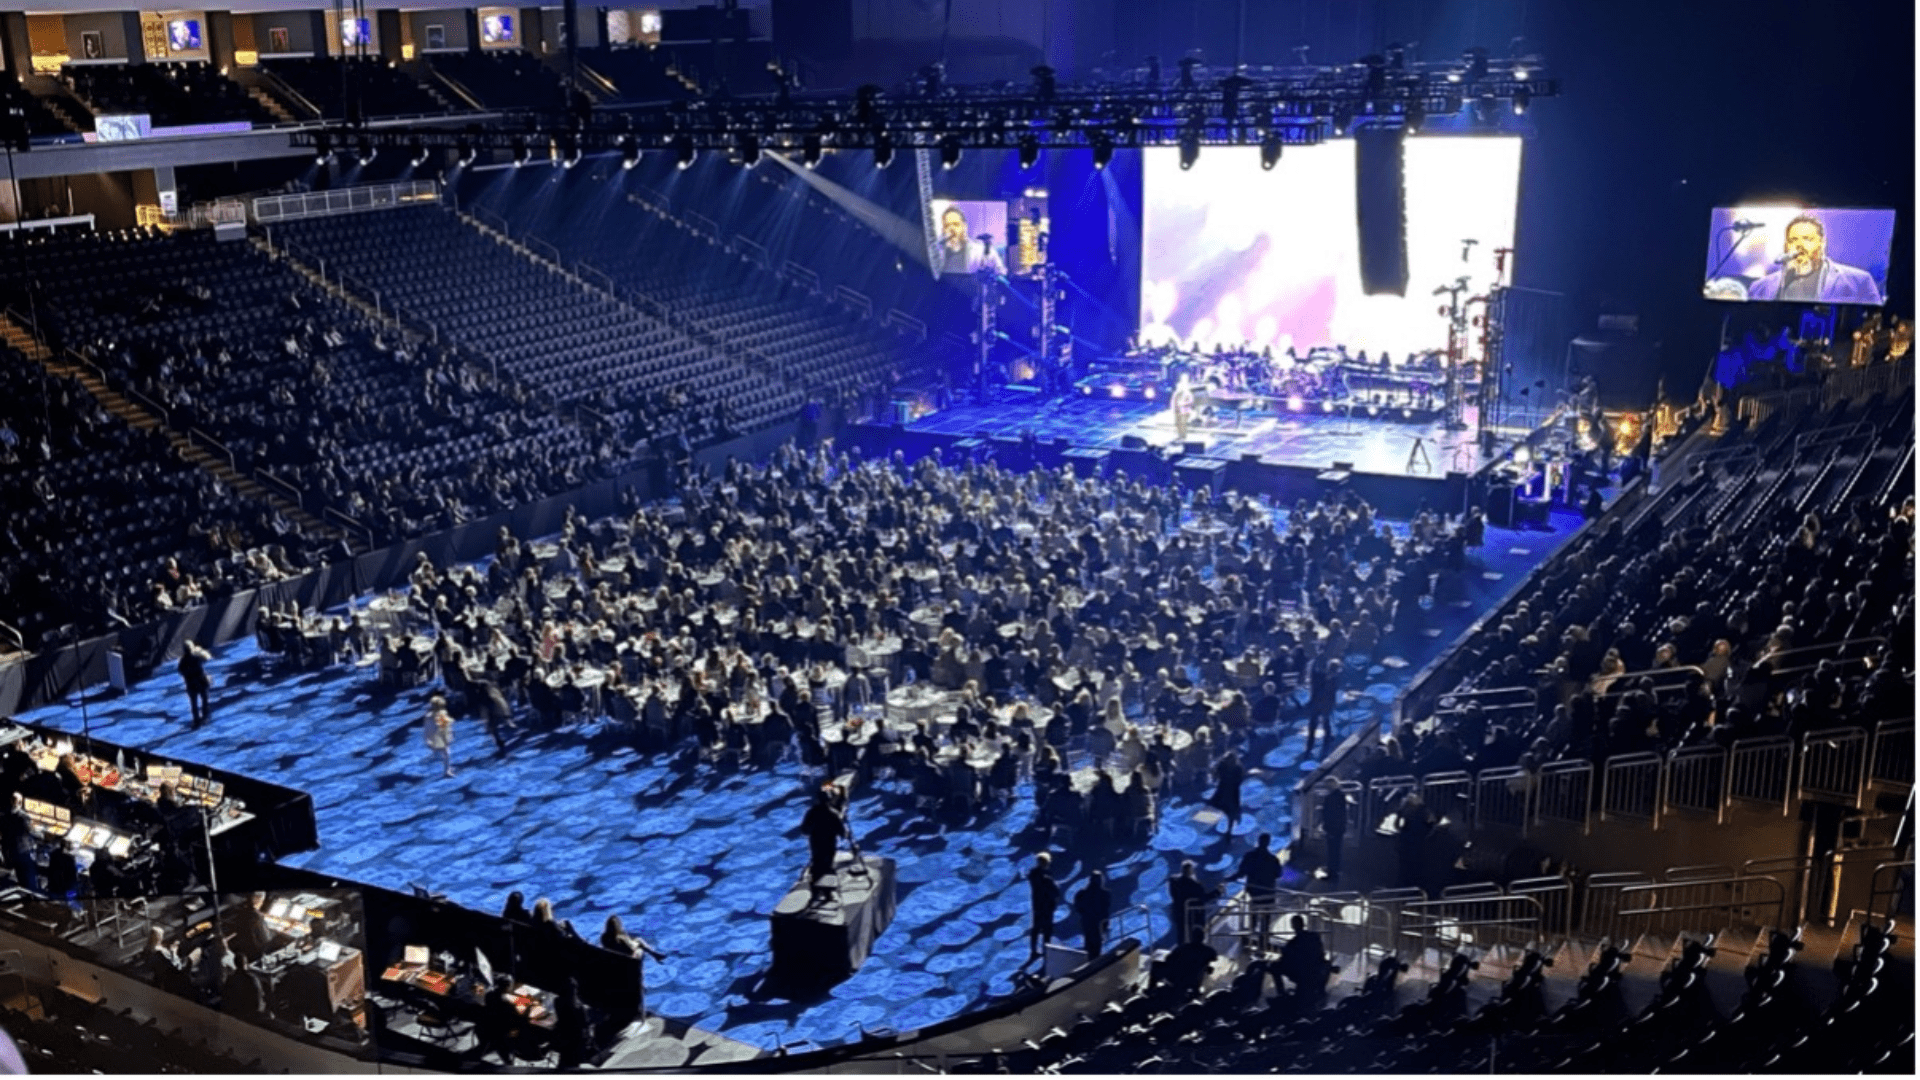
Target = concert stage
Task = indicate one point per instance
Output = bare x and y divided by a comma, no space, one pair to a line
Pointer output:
1395,463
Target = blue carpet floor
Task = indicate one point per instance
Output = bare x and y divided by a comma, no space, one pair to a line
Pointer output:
695,857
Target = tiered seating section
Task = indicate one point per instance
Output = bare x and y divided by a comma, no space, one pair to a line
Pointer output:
105,525
401,437
638,74
502,80
40,119
174,94
576,347
62,1034
384,90
1612,1014
808,340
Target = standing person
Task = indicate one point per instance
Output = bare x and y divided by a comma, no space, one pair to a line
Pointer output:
823,825
193,672
1228,776
439,729
1045,894
1094,904
500,1026
1323,692
1333,822
1260,869
494,708
1190,898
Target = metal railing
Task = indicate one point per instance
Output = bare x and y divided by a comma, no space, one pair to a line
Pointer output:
1891,885
1833,764
1672,906
1503,798
1761,771
1697,781
212,445
1630,788
1565,794
1384,795
1555,897
1448,796
1891,767
1456,922
1600,902
284,488
353,200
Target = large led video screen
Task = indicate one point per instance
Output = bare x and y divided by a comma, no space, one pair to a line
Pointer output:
1795,254
969,235
1233,254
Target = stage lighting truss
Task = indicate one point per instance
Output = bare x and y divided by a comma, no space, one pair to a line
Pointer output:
1268,107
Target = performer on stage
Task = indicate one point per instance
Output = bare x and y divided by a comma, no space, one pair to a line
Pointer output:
1182,407
824,825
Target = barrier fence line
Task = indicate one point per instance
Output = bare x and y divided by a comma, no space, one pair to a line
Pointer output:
1565,793
1673,906
1630,789
1833,764
1892,764
1697,781
1503,798
1761,770
1600,904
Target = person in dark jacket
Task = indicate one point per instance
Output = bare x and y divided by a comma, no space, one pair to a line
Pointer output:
1045,895
1094,905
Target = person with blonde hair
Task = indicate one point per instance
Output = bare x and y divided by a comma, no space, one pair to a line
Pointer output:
439,732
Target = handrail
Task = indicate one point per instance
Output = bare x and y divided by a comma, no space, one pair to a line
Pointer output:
481,214
290,491
273,79
1893,892
194,433
352,526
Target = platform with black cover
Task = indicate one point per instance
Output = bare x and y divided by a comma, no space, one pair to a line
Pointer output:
820,942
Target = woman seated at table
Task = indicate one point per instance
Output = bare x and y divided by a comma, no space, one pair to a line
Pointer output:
1061,805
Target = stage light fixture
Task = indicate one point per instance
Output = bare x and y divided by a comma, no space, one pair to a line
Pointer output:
1521,99
1342,120
322,149
882,151
949,151
683,151
566,150
419,153
810,150
521,155
465,153
368,151
1029,151
749,150
1416,116
1102,151
629,152
1189,150
1270,150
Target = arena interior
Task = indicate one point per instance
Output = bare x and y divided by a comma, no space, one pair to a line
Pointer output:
1033,536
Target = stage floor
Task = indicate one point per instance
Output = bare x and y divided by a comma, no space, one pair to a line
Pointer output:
1371,444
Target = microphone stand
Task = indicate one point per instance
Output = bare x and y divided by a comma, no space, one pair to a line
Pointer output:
1744,233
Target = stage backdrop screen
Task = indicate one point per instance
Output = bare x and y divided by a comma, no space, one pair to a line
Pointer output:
958,225
1232,253
1795,254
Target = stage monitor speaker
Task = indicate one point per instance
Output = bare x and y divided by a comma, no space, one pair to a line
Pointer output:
1343,466
1381,209
1132,442
1194,446
1250,459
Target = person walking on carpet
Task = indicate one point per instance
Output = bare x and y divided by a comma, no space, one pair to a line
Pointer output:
439,729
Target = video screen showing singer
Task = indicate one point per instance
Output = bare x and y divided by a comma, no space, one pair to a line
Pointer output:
961,253
1806,273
